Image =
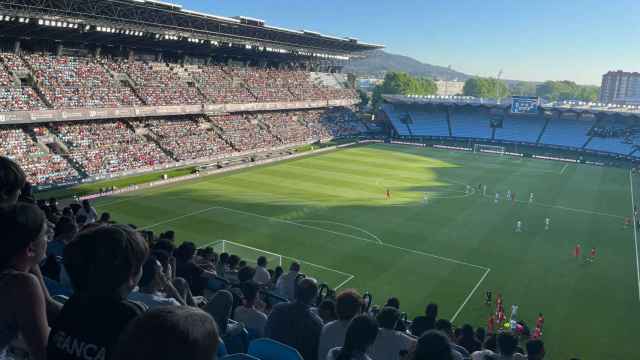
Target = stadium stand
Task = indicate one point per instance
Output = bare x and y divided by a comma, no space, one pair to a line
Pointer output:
567,131
396,117
470,124
429,123
522,128
13,96
74,82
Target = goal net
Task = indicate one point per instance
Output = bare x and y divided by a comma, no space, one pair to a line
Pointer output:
489,149
247,253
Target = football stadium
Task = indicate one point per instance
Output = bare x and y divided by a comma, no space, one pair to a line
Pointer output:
176,184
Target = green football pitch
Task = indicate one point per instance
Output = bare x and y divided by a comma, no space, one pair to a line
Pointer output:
329,211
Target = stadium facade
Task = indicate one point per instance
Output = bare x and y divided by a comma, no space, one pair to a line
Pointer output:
581,128
95,89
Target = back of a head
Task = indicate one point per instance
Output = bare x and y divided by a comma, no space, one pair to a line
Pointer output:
306,290
507,343
348,304
102,259
535,349
444,326
246,273
491,343
467,331
393,302
432,311
233,261
105,217
12,180
250,290
22,224
169,333
224,258
295,267
388,317
149,271
361,334
262,261
66,226
185,251
433,345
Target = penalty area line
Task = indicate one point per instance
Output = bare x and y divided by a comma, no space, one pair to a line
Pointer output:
473,291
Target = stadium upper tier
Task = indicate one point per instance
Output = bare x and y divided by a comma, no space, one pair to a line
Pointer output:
609,133
63,152
31,82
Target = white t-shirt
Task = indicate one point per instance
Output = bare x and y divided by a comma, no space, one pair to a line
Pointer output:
331,336
152,300
262,275
252,319
335,352
389,343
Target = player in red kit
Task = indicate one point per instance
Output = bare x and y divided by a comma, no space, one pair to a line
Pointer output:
491,323
592,254
537,333
540,321
577,251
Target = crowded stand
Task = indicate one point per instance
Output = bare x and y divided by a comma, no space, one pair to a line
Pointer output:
12,97
108,147
152,283
76,82
157,83
187,139
41,166
245,132
220,87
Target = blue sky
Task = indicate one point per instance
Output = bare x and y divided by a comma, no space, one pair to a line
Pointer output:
535,40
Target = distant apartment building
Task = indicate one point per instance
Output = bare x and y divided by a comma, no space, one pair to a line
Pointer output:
619,87
368,84
449,88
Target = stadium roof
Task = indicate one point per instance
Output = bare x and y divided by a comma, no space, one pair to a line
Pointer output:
567,106
149,18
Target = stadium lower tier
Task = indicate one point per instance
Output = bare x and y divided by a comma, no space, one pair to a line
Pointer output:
64,152
606,135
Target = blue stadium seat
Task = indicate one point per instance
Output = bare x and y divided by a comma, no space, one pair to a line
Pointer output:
267,349
237,343
433,123
56,289
222,349
395,117
567,132
239,357
470,124
520,128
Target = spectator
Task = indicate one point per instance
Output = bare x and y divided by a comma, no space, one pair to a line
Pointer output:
507,347
253,319
66,229
294,323
262,276
89,212
446,327
327,311
23,299
348,305
105,218
232,272
390,343
434,345
468,339
394,302
104,264
277,273
489,348
12,180
286,285
535,350
360,337
481,334
155,289
221,266
170,333
423,323
220,308
186,268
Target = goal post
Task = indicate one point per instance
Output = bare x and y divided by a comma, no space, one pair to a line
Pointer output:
247,253
488,149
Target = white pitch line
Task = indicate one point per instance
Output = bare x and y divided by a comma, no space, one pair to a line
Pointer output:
345,225
418,252
566,208
453,319
635,232
564,168
344,283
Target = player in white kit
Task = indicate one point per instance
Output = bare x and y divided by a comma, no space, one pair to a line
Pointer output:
497,198
426,198
509,195
530,198
484,190
547,222
518,226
